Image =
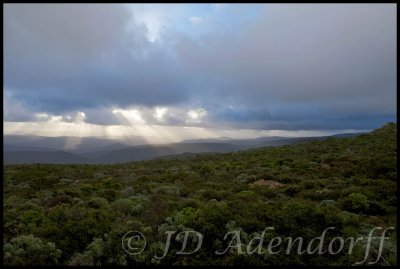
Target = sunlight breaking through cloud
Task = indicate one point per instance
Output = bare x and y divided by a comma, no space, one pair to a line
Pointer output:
133,115
196,115
160,112
151,133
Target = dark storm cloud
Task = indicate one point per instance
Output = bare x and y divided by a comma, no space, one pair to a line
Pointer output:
288,67
307,63
306,53
61,57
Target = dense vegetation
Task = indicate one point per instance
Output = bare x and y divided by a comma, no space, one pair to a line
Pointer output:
78,214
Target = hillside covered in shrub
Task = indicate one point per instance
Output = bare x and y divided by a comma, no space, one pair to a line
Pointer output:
78,214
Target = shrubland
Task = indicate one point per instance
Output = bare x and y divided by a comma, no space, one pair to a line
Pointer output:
78,214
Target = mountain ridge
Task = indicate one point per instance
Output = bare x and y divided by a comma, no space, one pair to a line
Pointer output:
109,151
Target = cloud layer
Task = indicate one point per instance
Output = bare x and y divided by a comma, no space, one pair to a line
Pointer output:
264,66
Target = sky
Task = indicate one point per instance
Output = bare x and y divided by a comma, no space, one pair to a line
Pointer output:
177,71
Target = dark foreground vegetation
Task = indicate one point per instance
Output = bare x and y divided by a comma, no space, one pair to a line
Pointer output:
78,214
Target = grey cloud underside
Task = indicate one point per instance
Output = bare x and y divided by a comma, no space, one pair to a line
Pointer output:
62,57
293,67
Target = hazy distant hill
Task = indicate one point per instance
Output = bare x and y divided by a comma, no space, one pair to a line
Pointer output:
100,150
209,140
68,143
242,142
31,149
59,157
149,152
265,141
11,147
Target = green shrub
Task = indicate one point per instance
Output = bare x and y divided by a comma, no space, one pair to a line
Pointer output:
292,190
244,178
356,202
30,250
308,184
98,203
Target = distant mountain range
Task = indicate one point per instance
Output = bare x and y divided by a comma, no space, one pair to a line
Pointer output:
59,157
69,150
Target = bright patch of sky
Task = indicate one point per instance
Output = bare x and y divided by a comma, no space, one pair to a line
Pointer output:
193,19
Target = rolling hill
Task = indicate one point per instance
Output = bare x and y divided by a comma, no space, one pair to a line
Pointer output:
56,157
70,150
